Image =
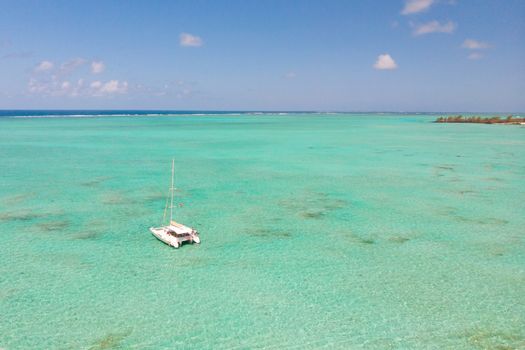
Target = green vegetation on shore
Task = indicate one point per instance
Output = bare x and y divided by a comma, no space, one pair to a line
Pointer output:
480,120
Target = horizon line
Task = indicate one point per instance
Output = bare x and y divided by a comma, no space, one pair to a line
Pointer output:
249,111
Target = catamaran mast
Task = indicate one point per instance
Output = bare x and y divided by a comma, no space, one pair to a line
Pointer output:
172,189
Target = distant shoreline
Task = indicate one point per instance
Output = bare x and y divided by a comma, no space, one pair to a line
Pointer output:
509,120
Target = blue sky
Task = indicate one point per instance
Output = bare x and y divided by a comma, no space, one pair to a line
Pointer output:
359,55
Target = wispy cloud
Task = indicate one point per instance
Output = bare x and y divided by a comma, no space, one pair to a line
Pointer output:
475,46
5,43
178,89
385,62
434,27
290,75
16,55
416,6
44,66
475,56
97,67
472,44
70,66
53,87
191,40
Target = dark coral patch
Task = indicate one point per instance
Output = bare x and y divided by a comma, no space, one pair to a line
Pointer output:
445,167
312,214
366,241
360,240
269,233
87,235
19,216
95,182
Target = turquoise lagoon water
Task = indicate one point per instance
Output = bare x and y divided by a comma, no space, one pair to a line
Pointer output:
318,231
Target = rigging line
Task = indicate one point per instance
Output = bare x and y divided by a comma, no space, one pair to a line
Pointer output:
165,210
172,189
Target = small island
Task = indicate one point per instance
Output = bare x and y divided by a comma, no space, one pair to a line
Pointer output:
481,120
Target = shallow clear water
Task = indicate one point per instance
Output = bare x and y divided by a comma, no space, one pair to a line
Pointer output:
318,231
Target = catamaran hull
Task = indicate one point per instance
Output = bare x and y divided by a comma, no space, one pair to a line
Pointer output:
162,236
171,240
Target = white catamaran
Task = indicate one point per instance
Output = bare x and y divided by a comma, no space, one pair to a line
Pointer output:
174,233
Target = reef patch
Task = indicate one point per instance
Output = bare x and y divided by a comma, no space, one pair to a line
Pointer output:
270,233
95,181
51,226
110,341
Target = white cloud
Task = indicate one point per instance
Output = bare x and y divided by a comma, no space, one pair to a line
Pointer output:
78,88
385,61
54,86
34,86
187,39
415,6
475,56
109,88
472,44
184,93
97,67
434,27
95,85
114,86
65,68
44,66
290,75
